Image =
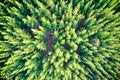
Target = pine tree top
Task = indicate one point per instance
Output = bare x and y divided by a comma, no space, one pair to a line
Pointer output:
59,39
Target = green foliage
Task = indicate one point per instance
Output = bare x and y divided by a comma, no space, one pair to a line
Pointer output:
60,39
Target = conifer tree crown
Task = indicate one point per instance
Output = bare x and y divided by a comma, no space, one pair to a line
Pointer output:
60,39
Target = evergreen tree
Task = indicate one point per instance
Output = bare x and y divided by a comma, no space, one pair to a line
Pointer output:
60,39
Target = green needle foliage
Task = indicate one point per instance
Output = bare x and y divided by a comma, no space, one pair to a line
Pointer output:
60,39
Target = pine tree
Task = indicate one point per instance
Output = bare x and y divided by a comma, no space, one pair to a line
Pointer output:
60,39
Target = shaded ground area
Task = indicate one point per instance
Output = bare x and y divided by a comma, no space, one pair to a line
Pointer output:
50,41
80,24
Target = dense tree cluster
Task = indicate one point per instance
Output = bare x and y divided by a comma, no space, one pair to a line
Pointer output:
60,39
